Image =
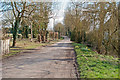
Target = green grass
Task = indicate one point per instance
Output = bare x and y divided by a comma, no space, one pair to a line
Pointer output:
25,44
93,65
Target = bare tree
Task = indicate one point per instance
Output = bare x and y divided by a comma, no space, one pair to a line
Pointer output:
95,24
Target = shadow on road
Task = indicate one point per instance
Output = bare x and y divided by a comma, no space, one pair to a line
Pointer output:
62,45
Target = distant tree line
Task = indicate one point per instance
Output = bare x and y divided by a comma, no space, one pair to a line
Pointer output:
59,27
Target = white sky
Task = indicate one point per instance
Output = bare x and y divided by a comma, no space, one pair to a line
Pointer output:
59,14
0,20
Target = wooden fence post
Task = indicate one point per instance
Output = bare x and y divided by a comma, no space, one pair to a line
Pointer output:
4,46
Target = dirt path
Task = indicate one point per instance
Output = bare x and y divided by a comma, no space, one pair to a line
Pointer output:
55,61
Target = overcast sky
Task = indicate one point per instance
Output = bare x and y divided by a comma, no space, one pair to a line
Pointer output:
59,14
0,20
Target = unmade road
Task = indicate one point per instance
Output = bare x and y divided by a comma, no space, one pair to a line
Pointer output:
53,61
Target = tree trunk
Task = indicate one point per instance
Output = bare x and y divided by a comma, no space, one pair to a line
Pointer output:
31,32
101,28
39,37
119,28
15,31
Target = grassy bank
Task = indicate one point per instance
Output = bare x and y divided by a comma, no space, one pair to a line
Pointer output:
25,44
93,65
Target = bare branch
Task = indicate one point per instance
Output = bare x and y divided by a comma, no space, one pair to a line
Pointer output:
16,7
13,9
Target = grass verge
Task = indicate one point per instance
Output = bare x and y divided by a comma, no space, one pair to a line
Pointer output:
25,44
94,65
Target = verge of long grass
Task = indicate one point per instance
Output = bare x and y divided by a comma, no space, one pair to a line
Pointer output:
94,65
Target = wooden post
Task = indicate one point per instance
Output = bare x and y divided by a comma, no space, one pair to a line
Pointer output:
40,38
54,35
4,46
31,32
57,35
48,37
44,39
1,47
1,34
